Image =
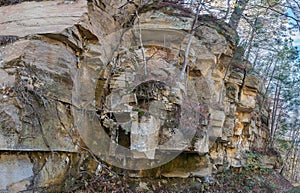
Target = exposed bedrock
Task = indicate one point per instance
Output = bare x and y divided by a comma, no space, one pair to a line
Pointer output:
79,75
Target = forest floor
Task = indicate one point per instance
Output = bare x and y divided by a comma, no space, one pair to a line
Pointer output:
231,181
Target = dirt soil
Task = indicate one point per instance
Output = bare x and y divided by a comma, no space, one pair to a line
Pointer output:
231,181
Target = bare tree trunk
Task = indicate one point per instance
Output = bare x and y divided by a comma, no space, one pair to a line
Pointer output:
268,67
251,40
274,112
141,43
238,55
236,16
277,122
294,164
187,50
227,11
269,82
255,59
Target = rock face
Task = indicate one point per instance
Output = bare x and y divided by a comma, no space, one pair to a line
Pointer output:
87,74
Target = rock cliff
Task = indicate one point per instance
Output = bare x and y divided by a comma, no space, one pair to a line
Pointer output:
81,77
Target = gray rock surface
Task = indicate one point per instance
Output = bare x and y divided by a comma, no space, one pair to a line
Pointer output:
73,76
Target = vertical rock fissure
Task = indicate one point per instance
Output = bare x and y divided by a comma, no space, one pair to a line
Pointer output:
242,85
73,87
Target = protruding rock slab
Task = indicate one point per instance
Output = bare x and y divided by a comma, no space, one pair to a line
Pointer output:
69,72
16,171
31,18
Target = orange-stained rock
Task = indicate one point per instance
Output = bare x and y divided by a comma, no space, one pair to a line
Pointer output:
74,74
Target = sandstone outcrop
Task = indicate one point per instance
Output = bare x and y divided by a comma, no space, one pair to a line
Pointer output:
79,75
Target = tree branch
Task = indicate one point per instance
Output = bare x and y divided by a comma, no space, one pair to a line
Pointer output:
187,50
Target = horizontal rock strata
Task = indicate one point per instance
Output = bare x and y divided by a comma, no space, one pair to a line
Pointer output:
79,75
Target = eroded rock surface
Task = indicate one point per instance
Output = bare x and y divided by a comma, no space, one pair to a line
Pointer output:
74,75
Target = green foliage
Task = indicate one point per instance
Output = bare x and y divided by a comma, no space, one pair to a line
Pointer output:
295,190
283,144
253,161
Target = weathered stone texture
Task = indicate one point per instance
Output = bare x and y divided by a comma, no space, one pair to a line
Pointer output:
73,76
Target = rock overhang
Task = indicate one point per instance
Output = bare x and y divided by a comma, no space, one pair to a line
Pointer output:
164,36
